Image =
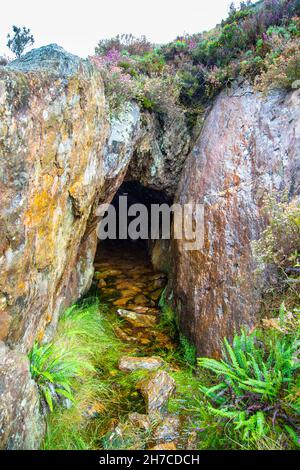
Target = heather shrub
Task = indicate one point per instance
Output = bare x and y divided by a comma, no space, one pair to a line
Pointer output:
174,50
120,87
282,69
191,80
150,63
278,247
242,30
159,94
218,77
252,65
258,41
126,43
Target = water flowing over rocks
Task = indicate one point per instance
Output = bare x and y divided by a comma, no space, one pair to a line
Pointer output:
138,320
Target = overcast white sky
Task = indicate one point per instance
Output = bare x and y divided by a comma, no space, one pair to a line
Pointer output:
78,25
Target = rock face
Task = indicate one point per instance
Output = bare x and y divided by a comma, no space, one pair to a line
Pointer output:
248,147
167,430
60,157
53,128
21,426
119,148
160,152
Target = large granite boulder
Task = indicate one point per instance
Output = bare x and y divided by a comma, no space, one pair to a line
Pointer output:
52,131
249,146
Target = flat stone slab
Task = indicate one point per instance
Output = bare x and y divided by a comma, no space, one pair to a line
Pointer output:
137,320
129,364
144,310
156,390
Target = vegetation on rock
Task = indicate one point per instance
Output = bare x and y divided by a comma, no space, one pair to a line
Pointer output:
259,41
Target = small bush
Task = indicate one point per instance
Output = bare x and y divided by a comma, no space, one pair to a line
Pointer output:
161,93
125,43
120,87
282,70
150,63
53,369
20,40
280,241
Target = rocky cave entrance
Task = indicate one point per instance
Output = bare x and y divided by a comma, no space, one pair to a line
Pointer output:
129,272
127,197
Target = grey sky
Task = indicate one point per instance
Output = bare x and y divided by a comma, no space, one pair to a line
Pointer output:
78,25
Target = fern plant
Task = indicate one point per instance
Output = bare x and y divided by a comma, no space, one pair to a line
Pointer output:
53,369
256,379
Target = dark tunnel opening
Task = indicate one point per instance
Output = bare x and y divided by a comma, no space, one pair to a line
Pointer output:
135,230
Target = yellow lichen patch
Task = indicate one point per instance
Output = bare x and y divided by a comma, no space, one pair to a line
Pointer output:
43,223
21,287
49,147
40,335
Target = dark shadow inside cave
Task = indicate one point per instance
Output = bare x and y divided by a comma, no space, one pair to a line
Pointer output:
134,193
127,275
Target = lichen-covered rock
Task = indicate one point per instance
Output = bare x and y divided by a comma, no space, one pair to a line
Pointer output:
21,425
53,126
167,430
249,146
119,148
129,364
156,390
160,152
